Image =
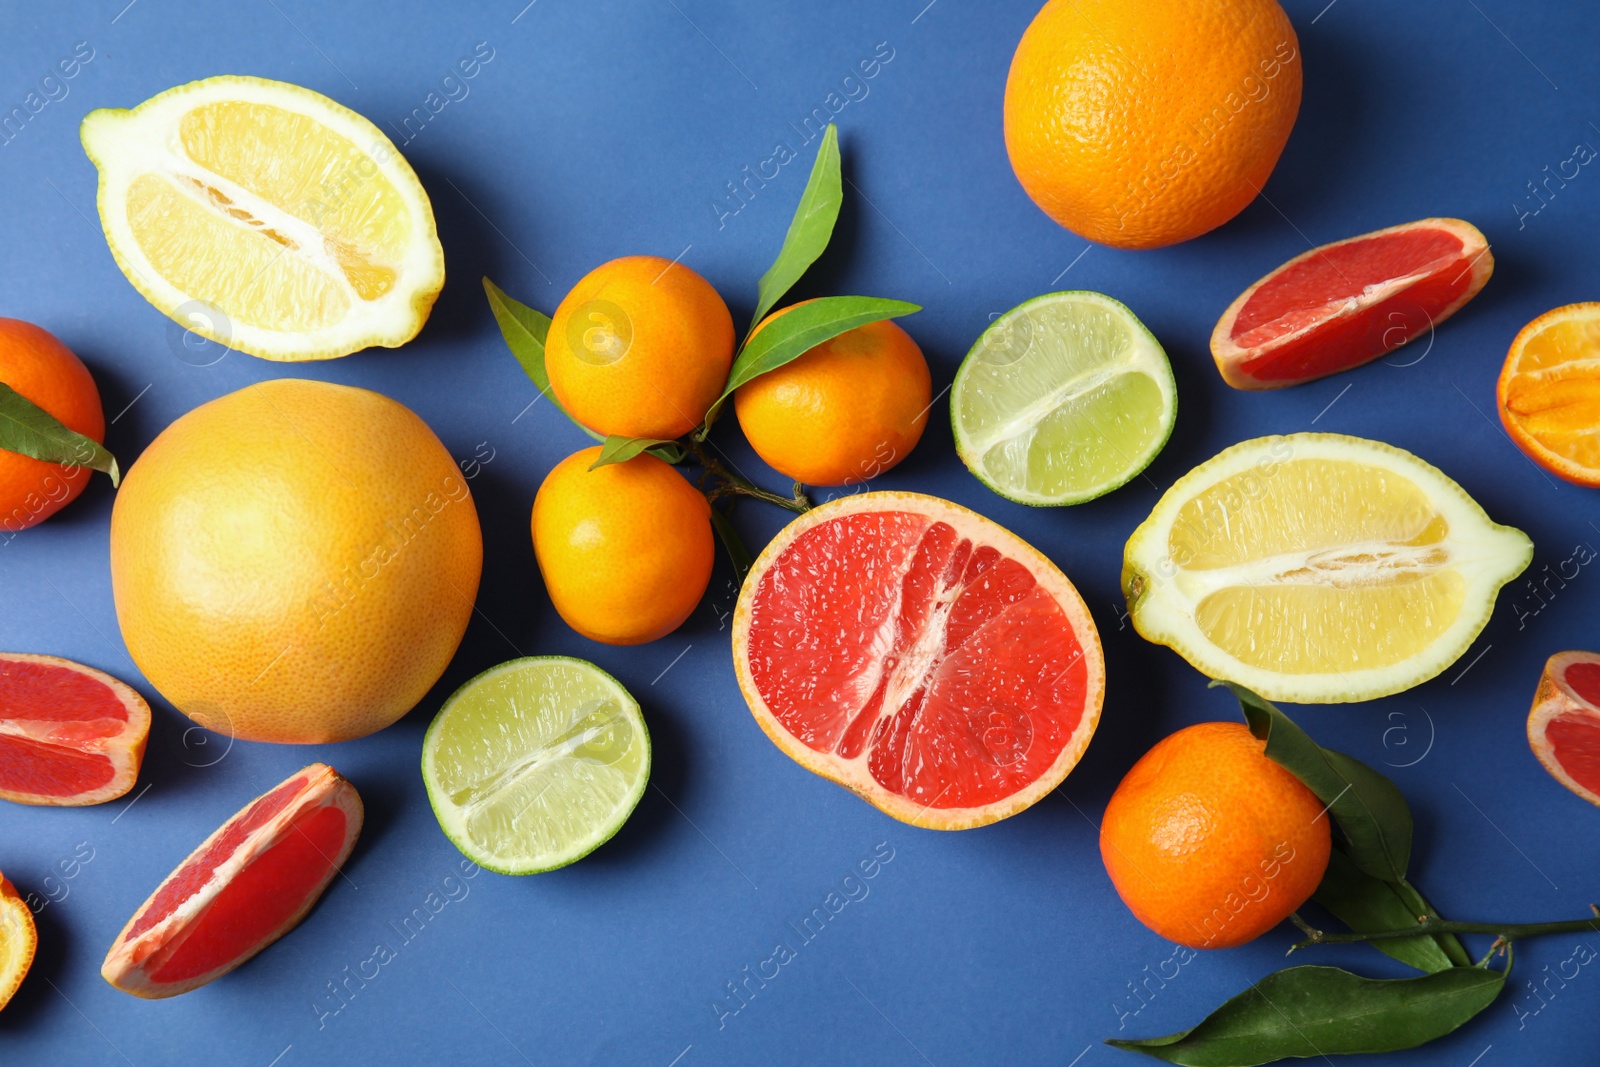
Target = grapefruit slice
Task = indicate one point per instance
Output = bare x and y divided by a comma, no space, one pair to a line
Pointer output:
69,735
920,655
1349,302
1564,723
18,940
247,885
1549,392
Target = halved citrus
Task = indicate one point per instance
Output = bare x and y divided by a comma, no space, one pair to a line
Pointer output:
1564,722
1549,392
19,938
1318,568
69,734
1062,399
247,885
1349,302
289,214
920,655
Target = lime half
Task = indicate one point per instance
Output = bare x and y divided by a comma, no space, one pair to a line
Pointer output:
535,763
1062,399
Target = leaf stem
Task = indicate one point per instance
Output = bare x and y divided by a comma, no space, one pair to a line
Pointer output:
1506,932
736,485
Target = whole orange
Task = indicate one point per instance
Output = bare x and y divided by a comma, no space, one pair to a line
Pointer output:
625,549
295,562
1209,842
1141,123
640,347
844,411
42,369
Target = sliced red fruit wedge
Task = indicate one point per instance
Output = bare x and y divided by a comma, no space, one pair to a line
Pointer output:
920,655
1349,302
1564,723
69,734
247,885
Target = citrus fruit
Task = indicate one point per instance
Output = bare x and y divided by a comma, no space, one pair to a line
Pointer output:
844,411
1209,842
247,885
18,940
919,655
535,763
69,735
1550,392
1349,302
1318,568
640,347
290,215
42,370
625,549
1062,399
1564,722
1141,123
295,562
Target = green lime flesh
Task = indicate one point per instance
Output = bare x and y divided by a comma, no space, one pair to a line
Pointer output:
535,763
1062,399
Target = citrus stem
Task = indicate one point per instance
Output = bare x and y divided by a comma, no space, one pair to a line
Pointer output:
1506,932
735,485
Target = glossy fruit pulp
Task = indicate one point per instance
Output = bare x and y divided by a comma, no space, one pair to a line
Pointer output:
61,709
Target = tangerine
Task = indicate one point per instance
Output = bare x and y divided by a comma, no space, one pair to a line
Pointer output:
45,371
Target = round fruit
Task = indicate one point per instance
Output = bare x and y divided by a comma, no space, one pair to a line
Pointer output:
535,763
19,938
625,549
1141,123
640,347
1550,392
845,411
920,655
1318,568
69,735
1349,302
247,885
1564,722
1062,399
41,369
267,218
295,562
1209,842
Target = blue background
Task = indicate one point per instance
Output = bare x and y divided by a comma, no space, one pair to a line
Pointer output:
609,128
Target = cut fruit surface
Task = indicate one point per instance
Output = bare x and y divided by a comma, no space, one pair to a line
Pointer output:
69,735
1318,568
920,655
1564,722
1062,399
535,763
19,938
247,885
1349,302
1549,392
290,215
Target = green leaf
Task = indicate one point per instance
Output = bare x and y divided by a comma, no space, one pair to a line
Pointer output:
1369,809
525,329
738,555
618,449
803,328
1305,1012
1366,905
30,430
811,228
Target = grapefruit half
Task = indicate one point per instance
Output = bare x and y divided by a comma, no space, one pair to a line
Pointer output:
1564,723
1349,302
920,655
247,885
69,735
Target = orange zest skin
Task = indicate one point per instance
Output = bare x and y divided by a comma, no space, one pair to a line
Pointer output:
1549,392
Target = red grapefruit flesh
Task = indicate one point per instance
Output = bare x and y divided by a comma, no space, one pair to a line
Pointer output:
247,885
1349,302
920,655
1564,723
69,735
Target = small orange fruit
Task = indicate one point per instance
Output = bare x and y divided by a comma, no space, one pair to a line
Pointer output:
640,347
42,369
625,549
1141,123
1209,842
1549,392
18,940
845,411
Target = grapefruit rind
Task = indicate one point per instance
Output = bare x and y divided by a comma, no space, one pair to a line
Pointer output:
1524,437
19,940
125,751
853,774
1555,698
